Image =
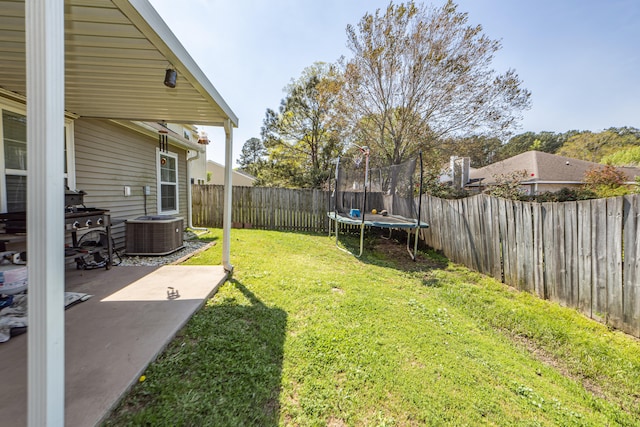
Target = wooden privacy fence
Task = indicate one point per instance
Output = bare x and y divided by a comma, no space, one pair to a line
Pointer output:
263,208
579,254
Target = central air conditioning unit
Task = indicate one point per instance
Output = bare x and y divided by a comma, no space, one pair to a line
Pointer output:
154,235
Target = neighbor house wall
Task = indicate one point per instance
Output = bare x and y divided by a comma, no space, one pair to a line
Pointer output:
108,158
217,171
553,188
199,168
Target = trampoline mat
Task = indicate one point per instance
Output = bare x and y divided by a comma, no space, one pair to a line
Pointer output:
377,220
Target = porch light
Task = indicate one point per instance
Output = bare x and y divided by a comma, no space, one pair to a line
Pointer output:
170,77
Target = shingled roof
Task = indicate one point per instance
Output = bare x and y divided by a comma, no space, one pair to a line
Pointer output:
544,168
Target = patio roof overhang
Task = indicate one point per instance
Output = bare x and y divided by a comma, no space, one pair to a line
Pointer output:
112,56
116,54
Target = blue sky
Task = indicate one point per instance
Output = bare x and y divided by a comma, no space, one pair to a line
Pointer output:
579,58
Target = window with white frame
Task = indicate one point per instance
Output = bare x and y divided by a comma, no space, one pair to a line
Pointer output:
13,159
14,132
167,183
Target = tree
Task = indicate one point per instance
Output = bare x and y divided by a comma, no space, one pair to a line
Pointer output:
418,74
508,185
548,142
606,181
625,157
302,136
481,150
252,156
594,146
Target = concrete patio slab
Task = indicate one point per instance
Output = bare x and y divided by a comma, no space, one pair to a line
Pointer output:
111,338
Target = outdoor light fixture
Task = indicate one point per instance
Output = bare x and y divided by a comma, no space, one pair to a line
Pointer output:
170,77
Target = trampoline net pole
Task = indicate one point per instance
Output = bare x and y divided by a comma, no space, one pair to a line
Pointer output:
366,179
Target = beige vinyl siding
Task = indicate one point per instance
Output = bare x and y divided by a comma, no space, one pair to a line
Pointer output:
217,176
110,157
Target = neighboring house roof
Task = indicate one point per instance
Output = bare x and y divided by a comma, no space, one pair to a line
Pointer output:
544,168
245,174
239,178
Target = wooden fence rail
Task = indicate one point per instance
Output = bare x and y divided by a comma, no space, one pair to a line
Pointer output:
582,254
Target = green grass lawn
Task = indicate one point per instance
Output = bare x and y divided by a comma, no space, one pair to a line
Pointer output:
308,335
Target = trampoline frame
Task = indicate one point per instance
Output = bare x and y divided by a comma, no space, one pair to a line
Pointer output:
378,220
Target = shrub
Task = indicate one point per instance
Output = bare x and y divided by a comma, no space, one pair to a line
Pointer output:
607,176
508,185
562,195
607,181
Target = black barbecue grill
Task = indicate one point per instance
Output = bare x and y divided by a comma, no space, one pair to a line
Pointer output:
94,249
77,217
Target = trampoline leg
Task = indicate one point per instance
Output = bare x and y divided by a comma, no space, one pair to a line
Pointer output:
389,236
412,254
361,239
346,250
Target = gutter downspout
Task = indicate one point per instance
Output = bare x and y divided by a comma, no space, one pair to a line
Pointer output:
226,221
189,197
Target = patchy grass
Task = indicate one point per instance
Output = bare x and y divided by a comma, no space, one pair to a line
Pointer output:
308,335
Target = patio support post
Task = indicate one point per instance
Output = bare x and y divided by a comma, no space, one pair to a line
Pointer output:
226,220
44,24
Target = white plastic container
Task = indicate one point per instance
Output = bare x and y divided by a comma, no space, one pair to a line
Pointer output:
13,279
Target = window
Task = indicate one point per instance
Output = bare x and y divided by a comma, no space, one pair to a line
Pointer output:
167,183
14,130
13,160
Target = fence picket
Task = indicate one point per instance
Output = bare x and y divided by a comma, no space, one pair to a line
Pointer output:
585,258
614,261
599,264
631,273
571,253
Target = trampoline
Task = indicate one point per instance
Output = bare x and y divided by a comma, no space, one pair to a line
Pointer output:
380,197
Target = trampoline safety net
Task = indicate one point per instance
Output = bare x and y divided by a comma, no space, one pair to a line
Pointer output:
391,189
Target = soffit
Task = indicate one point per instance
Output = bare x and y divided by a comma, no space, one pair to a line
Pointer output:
116,54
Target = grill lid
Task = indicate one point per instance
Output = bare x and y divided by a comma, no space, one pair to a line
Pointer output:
73,198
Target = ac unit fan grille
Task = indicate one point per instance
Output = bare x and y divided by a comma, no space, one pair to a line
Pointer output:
154,237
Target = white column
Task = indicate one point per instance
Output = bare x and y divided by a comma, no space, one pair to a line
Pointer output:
44,25
226,220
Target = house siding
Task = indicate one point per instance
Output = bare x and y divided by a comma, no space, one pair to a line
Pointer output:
109,157
217,172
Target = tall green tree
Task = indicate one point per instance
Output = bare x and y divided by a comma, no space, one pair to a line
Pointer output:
302,137
420,73
253,156
593,147
625,157
545,141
